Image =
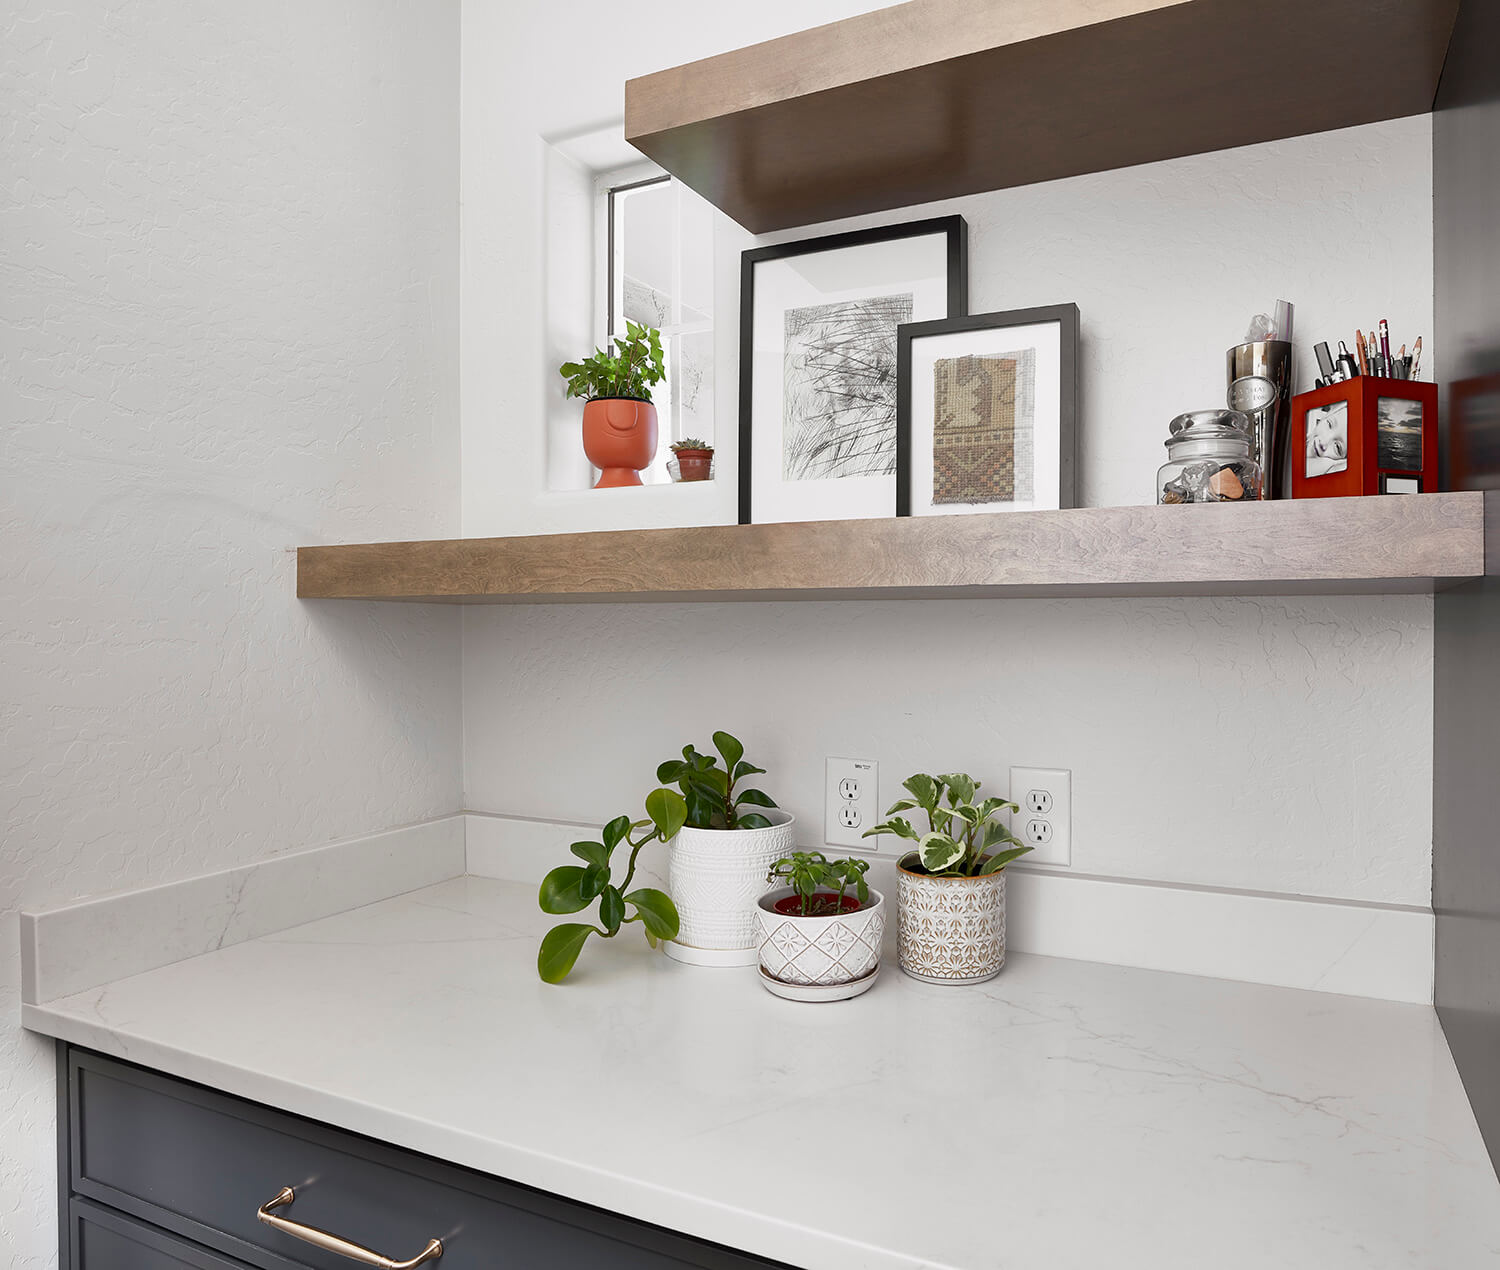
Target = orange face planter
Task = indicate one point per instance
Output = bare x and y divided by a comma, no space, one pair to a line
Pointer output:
619,437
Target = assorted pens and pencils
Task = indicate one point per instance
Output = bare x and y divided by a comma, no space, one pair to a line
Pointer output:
1371,356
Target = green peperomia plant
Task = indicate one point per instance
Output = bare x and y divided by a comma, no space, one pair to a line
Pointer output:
959,834
709,790
571,888
630,371
813,876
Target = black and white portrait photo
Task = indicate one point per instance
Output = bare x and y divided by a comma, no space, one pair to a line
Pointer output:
1328,439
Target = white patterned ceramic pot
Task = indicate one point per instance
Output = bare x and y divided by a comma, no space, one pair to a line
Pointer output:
822,951
715,876
949,930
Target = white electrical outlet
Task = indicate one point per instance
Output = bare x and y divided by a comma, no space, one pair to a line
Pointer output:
1038,832
852,789
1045,821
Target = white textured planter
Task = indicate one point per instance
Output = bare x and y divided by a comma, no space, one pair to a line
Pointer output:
950,930
820,951
715,876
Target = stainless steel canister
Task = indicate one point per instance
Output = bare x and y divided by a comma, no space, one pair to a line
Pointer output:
1260,385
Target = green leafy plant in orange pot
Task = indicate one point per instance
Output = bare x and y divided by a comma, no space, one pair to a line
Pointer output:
619,421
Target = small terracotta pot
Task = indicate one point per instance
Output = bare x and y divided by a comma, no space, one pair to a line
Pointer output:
695,465
619,437
949,930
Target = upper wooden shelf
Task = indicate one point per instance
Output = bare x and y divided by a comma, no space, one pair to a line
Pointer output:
1411,543
936,98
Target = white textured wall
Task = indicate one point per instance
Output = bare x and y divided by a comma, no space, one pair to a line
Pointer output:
230,294
1273,745
1276,745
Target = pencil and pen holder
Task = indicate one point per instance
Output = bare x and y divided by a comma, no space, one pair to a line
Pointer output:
1366,435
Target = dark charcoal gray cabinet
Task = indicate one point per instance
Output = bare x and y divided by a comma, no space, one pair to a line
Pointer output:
105,1240
160,1174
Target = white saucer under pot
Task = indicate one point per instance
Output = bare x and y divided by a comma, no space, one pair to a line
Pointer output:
814,992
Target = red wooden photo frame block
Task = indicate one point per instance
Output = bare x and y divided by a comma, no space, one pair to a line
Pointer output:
1369,435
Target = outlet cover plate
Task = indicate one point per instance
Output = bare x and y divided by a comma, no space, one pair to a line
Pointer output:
851,794
1032,787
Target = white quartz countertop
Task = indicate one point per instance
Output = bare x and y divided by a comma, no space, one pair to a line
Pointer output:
1065,1115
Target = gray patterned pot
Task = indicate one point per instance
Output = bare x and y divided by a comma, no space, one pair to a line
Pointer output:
949,930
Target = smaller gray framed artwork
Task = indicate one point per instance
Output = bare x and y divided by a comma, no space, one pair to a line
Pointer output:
987,413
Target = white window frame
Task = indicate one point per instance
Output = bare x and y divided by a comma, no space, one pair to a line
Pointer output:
609,295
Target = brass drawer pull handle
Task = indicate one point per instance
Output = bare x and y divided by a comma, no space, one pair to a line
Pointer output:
332,1243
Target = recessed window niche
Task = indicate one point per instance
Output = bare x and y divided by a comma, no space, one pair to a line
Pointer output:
623,241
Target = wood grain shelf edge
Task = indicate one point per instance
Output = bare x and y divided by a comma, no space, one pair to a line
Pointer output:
1373,545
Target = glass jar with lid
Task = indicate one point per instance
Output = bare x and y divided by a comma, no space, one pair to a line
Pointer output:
1209,459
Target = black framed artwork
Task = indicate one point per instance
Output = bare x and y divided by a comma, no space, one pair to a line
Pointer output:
818,354
987,413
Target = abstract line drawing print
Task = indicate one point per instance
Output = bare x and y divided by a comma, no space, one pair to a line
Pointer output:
839,403
983,429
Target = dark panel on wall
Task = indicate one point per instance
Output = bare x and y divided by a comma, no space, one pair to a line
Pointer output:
1466,225
1466,841
1466,678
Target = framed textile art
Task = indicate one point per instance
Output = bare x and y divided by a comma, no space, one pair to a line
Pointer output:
987,413
818,352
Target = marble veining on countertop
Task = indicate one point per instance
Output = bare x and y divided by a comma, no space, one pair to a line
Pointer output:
1065,1115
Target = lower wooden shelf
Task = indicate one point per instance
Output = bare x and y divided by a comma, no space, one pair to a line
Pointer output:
1411,543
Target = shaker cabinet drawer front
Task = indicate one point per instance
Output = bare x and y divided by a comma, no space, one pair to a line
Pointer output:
102,1240
211,1168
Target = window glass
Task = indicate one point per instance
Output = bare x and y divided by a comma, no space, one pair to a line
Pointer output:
659,269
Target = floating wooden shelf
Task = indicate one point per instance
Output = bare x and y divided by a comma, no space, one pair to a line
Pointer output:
1412,543
937,98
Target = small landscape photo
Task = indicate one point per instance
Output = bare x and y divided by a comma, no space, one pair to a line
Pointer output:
1328,439
1400,424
